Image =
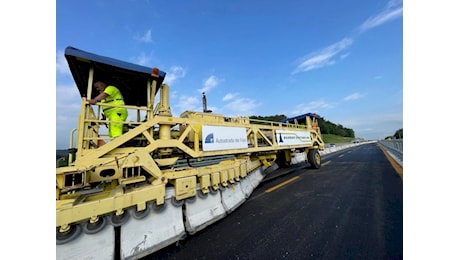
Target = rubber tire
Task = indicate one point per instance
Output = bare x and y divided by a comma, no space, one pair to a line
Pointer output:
158,208
201,194
191,199
314,158
177,203
74,232
98,226
213,191
141,214
118,221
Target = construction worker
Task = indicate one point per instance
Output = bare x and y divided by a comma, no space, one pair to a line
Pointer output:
116,115
314,125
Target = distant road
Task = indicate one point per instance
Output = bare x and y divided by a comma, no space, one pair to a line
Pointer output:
351,208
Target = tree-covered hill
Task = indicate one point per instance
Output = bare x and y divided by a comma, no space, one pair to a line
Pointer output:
326,126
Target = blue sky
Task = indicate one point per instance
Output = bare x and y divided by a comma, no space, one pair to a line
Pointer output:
340,59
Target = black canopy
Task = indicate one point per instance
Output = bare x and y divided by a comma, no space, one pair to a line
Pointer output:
131,79
300,118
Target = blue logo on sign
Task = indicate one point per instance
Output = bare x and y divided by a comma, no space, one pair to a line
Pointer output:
209,139
281,139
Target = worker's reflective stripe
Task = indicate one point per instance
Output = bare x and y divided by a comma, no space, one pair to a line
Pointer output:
108,102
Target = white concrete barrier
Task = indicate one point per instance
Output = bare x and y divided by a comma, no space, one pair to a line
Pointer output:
272,168
203,212
232,197
159,229
257,176
246,185
83,247
341,147
298,158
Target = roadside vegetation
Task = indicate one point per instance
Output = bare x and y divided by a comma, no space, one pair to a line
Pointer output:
397,135
327,127
336,139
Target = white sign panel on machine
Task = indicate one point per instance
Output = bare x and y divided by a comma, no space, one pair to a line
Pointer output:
287,137
223,138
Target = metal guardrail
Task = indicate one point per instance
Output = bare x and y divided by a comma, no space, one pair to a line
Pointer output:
395,148
396,145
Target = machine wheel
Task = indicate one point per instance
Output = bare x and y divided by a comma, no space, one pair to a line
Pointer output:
314,158
191,199
177,203
93,228
117,221
212,190
201,194
141,214
158,208
71,234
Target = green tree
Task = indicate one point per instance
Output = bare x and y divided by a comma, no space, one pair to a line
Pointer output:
326,126
398,134
269,118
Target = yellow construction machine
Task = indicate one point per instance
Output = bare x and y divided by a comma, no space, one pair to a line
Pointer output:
165,177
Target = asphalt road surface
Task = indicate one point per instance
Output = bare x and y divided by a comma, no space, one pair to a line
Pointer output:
350,208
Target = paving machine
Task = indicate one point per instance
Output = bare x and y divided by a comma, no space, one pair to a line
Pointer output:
165,177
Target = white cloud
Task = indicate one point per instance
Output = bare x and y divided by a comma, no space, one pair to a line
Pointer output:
61,63
241,107
353,96
311,107
176,72
210,83
324,57
327,56
143,59
147,37
188,103
173,94
375,126
68,103
229,96
392,11
343,56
